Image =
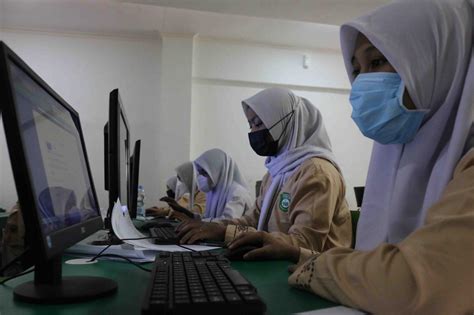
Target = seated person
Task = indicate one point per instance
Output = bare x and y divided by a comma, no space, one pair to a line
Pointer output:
227,194
415,239
187,195
302,197
171,184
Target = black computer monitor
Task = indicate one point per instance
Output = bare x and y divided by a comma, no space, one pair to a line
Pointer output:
134,178
106,156
53,181
118,155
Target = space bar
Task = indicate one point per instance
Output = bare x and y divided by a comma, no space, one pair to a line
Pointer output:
235,277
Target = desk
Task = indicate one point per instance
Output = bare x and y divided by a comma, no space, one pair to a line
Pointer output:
270,279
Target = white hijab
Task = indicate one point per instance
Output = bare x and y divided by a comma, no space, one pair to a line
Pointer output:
429,43
187,184
225,176
171,183
304,138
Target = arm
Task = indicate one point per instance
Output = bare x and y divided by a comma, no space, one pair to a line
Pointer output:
318,195
429,272
248,222
199,203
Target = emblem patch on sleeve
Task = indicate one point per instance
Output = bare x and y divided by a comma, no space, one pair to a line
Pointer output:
285,200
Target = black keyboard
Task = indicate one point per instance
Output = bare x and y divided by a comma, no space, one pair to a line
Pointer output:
199,283
164,235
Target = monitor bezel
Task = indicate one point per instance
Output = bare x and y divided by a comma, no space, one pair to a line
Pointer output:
134,179
116,113
36,241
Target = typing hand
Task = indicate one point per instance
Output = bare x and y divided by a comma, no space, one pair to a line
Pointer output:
195,230
176,207
158,212
270,247
178,216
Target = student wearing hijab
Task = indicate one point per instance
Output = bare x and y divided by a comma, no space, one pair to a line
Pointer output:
187,196
301,199
171,184
227,194
411,64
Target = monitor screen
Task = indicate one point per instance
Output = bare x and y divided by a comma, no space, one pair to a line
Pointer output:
53,180
54,154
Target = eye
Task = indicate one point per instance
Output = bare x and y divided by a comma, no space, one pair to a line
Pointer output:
378,62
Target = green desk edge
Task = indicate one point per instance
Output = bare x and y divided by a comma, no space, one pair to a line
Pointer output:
270,278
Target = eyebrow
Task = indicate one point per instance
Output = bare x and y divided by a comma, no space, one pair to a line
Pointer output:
369,49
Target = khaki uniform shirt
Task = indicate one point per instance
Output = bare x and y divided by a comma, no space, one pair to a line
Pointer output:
199,202
429,272
309,211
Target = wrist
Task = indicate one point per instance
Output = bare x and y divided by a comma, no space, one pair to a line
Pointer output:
294,254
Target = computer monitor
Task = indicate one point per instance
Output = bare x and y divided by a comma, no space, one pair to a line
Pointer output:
118,155
53,180
106,156
134,178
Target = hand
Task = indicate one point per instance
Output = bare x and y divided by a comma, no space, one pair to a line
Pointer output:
158,212
271,248
179,216
194,230
177,207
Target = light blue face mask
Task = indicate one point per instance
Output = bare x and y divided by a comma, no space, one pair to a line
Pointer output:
378,111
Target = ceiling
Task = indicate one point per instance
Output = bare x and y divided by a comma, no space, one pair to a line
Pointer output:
298,23
333,12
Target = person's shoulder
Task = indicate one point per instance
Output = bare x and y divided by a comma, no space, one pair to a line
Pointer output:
466,163
317,166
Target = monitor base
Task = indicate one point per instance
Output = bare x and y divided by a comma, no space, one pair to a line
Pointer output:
69,290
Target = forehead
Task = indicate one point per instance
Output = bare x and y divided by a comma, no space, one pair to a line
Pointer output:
363,48
250,114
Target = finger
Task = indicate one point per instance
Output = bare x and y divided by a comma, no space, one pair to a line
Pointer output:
182,225
249,238
186,229
186,237
263,253
196,237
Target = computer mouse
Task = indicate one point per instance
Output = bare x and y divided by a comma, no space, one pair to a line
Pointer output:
238,253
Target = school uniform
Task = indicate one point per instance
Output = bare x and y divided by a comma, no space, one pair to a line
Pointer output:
415,238
429,272
310,210
302,195
228,195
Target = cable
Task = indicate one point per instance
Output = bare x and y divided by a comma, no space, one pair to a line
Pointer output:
125,239
182,246
16,276
127,259
14,261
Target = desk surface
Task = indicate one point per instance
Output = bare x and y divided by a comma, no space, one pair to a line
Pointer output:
270,278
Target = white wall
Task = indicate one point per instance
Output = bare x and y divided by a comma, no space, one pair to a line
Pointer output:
225,73
205,79
83,70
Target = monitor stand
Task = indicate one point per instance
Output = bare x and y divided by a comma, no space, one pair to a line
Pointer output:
49,287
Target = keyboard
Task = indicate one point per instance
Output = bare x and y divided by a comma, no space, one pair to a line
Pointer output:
198,283
164,235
